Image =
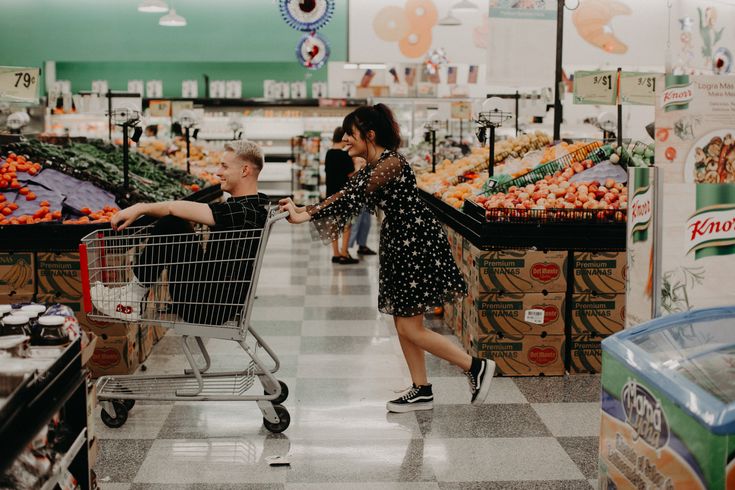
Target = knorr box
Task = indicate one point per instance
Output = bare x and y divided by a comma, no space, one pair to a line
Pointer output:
516,315
601,314
16,274
600,272
520,271
534,355
668,404
585,353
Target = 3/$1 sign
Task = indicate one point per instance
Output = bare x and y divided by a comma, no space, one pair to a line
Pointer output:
19,84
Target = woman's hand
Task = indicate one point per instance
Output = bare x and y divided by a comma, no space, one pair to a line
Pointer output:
124,218
295,214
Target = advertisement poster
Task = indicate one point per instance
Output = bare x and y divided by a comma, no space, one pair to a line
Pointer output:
695,151
639,301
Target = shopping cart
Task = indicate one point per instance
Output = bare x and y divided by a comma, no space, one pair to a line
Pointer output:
201,284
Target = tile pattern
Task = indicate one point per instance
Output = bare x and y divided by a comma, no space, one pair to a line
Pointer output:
341,360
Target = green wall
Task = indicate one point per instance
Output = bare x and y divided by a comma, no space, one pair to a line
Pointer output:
232,37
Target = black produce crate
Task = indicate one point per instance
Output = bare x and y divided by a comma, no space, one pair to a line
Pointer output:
57,237
549,233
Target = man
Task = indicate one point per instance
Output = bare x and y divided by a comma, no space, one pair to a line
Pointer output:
338,167
209,285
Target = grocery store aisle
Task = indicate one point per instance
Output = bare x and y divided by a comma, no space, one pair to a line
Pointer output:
341,361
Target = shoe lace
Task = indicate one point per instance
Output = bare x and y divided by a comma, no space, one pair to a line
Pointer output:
471,380
411,393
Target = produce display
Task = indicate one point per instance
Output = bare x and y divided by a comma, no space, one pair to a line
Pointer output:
203,161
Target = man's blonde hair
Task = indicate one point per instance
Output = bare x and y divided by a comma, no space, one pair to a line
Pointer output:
248,151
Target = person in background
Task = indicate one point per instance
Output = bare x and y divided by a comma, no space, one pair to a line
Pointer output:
361,226
417,270
338,167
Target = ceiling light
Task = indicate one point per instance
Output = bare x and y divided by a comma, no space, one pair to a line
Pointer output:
172,19
153,6
450,20
465,5
351,66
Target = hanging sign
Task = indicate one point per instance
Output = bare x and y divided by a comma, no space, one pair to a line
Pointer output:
307,16
461,110
19,84
595,87
638,88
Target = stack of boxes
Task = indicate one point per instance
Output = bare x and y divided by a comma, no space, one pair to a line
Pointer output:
598,306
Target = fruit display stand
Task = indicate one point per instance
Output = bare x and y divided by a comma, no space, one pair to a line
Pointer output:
546,286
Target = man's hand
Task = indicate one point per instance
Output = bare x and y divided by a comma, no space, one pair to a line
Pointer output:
296,214
124,218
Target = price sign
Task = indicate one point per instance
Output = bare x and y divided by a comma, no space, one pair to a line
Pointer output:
461,110
19,84
595,87
638,88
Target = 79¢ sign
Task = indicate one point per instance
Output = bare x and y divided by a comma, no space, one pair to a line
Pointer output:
19,84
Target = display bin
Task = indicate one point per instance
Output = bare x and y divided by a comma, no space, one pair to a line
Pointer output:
668,404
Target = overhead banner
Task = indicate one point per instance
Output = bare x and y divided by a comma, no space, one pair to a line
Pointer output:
695,150
515,58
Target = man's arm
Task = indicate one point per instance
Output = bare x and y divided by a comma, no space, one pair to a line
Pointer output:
190,211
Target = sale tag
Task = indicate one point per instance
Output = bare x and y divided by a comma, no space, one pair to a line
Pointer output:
535,316
19,84
595,87
638,88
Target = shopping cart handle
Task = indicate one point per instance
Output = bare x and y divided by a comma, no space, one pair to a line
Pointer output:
280,216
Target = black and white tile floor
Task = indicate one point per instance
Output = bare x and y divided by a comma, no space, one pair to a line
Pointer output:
341,360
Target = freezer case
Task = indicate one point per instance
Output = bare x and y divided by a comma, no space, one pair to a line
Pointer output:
668,404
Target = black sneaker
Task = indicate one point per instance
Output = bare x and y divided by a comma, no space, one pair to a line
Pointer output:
416,398
336,259
365,251
479,376
347,259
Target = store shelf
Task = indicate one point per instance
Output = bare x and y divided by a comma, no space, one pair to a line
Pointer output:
211,102
66,461
557,235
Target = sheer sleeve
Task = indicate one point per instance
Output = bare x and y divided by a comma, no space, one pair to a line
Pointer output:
330,216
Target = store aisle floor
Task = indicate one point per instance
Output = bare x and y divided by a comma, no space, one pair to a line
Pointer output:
341,360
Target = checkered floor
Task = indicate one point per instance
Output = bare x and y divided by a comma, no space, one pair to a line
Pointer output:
341,360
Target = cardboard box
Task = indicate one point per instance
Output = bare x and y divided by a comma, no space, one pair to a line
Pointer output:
586,354
17,277
506,313
91,405
13,298
517,271
448,317
59,277
115,355
146,340
159,332
601,272
534,355
93,450
601,314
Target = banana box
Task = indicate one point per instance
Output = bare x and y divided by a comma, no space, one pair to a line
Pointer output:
516,315
585,353
600,272
517,271
17,277
601,314
146,341
58,276
533,355
115,354
668,404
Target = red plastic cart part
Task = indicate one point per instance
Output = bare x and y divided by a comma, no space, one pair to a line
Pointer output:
84,272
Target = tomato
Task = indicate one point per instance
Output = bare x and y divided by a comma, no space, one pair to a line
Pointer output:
670,153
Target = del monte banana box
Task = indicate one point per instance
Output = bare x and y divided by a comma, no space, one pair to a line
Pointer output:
518,271
16,274
534,355
58,276
600,272
516,315
668,400
115,354
586,353
601,314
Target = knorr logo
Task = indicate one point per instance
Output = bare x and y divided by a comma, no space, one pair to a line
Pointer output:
678,93
641,210
644,414
711,231
545,272
542,355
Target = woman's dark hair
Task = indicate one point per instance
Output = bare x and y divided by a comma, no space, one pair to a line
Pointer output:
378,118
338,133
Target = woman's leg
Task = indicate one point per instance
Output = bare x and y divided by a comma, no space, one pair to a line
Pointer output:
335,248
346,241
411,329
415,359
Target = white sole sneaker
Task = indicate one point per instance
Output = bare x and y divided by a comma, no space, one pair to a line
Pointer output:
409,407
486,376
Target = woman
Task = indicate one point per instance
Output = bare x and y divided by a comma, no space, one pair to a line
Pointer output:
338,167
417,271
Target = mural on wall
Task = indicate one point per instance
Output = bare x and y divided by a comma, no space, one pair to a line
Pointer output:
593,21
701,42
410,26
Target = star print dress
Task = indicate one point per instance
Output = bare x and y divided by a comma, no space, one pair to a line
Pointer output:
417,270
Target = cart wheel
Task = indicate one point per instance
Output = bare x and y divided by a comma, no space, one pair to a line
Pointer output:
129,404
282,397
121,415
282,424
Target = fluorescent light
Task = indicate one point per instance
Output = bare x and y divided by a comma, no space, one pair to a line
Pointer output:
372,66
172,19
153,6
450,20
351,66
465,5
